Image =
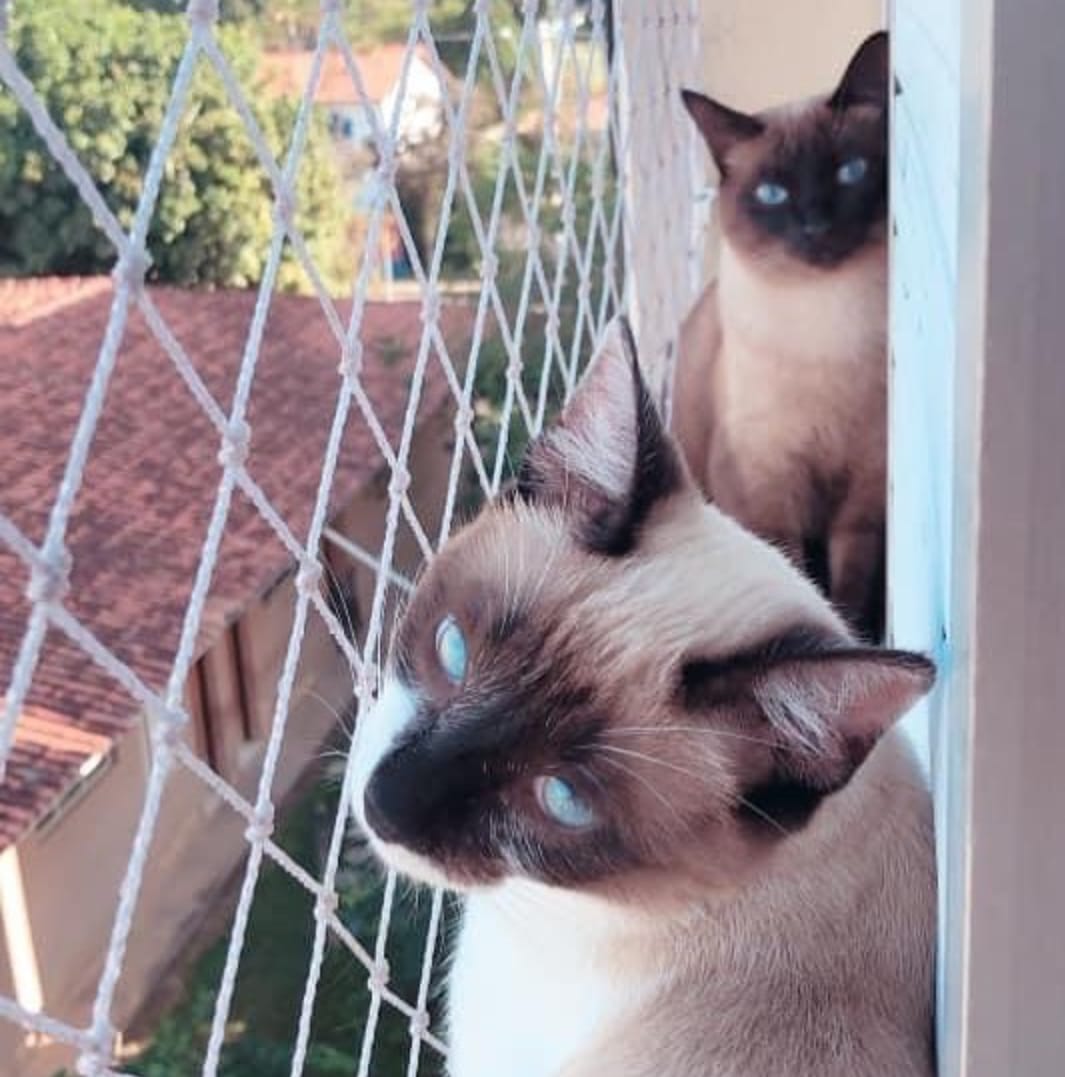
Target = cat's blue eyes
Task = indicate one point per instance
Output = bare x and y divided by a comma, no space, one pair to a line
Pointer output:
852,171
561,802
771,194
451,650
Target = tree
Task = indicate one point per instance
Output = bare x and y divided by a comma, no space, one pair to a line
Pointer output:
104,70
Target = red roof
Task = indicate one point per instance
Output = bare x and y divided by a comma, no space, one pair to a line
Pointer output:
140,517
287,71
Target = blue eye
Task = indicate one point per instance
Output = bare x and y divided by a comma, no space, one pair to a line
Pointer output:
451,650
852,171
771,194
561,802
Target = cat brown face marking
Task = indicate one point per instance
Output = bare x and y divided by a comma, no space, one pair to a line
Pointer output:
681,689
804,185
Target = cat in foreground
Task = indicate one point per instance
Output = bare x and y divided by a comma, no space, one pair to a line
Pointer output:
664,774
781,382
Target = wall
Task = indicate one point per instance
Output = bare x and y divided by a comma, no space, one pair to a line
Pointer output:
925,173
925,189
759,53
1004,953
71,874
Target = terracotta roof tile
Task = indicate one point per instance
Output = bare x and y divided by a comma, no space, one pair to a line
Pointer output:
287,71
140,518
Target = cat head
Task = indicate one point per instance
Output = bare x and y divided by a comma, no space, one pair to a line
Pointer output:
604,684
805,184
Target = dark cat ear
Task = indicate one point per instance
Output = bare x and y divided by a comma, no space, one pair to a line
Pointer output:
721,127
826,706
865,82
608,460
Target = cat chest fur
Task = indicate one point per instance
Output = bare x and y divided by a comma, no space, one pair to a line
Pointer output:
531,985
801,393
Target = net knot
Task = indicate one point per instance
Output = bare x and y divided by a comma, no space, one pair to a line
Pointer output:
350,365
490,267
261,825
130,271
50,579
326,905
400,483
386,163
170,725
234,451
514,369
203,13
463,418
430,306
308,577
419,1024
330,7
285,207
93,1064
369,681
96,1061
379,976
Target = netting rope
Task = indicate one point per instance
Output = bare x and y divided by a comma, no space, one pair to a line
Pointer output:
648,265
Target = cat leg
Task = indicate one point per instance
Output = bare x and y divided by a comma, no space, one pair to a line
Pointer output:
856,576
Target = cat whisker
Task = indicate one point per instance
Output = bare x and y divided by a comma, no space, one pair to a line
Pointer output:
341,720
763,815
652,759
657,793
707,731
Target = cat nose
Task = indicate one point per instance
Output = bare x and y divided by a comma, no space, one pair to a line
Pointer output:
381,816
815,222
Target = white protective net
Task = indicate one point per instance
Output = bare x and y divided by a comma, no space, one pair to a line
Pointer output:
610,215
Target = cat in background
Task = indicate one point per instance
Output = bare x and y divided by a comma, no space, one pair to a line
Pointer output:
780,390
665,775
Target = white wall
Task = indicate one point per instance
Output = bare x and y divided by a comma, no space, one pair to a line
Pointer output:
924,179
924,186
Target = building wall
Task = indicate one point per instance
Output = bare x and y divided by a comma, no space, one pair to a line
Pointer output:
71,874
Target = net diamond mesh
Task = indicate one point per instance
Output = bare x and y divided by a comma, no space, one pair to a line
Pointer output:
636,248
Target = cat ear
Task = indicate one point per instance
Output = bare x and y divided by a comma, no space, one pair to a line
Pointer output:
826,706
865,82
609,459
722,128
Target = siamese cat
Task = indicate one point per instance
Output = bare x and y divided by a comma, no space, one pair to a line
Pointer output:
780,390
665,775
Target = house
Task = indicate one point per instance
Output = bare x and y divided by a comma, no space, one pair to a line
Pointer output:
386,77
77,776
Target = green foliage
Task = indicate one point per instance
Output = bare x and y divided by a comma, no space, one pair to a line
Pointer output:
266,1005
104,71
541,358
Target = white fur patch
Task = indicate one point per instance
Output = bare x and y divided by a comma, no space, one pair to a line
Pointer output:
376,733
532,985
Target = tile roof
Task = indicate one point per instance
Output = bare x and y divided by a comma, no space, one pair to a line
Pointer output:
286,72
140,517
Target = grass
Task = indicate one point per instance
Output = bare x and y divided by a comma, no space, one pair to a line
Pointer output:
266,1004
